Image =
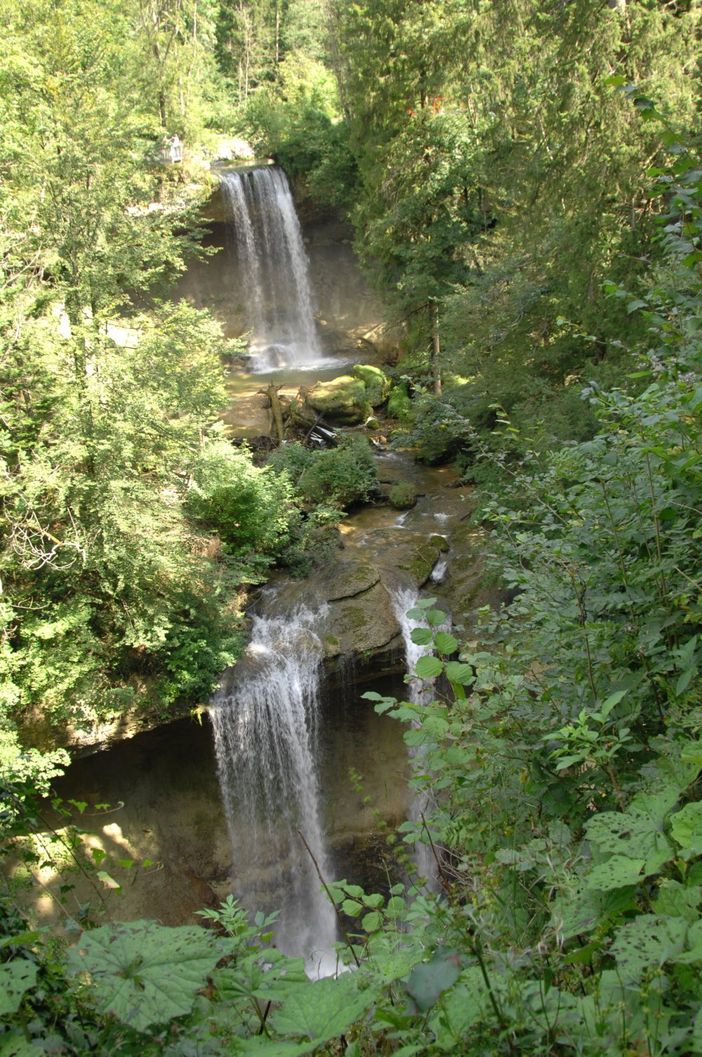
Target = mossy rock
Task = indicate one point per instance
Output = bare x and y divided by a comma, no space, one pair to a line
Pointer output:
419,559
376,382
402,495
343,400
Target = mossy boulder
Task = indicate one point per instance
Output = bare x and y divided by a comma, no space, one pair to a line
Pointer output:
343,400
402,495
376,382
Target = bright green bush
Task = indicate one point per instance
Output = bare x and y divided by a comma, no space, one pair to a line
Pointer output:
341,476
249,507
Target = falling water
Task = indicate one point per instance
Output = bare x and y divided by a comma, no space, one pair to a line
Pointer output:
421,692
273,269
265,728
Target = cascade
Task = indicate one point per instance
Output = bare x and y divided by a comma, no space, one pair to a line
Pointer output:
273,269
265,728
421,692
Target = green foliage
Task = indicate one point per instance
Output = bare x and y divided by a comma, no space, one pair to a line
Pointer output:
249,507
433,428
343,475
297,122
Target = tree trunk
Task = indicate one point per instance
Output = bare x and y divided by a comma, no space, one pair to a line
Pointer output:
276,412
435,356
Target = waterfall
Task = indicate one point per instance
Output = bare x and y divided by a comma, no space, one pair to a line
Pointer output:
421,692
273,269
265,728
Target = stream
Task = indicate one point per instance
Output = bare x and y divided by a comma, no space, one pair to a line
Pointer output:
181,816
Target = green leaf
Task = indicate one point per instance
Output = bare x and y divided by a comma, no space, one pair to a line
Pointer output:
276,1048
459,1009
445,643
16,977
686,827
647,942
144,973
458,672
428,667
351,907
421,636
428,980
637,831
435,618
15,1044
616,872
323,1009
372,922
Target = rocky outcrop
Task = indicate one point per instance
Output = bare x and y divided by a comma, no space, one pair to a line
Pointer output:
342,400
349,399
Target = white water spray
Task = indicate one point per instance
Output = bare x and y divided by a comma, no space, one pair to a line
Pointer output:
265,729
421,692
274,269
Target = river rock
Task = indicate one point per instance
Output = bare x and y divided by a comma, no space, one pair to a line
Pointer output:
376,382
343,400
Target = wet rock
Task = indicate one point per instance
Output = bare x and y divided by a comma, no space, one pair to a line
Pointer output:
348,579
362,624
343,400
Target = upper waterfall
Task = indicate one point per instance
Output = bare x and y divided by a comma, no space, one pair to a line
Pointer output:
273,269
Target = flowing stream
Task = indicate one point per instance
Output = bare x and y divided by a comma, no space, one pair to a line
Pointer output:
266,728
273,269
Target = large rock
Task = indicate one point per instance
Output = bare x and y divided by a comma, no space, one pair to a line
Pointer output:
376,382
343,400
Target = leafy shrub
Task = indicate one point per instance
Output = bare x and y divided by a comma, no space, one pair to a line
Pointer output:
314,538
436,431
342,476
291,459
248,506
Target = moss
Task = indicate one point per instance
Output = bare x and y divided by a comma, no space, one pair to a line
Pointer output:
376,383
402,495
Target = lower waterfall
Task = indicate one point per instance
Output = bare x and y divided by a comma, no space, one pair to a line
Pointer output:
421,692
265,728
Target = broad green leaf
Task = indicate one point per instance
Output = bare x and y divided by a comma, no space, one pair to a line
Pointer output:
15,1044
16,977
617,872
352,907
428,980
686,827
636,832
458,672
647,942
459,1009
678,900
428,667
144,973
612,702
445,643
435,618
323,1009
372,922
276,1047
421,636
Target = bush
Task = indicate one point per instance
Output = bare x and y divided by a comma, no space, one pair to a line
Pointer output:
341,476
291,459
250,507
436,431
